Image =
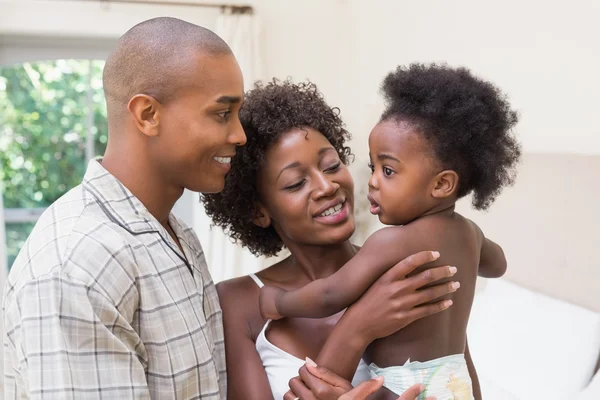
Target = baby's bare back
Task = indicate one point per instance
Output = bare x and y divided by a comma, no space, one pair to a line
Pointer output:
459,243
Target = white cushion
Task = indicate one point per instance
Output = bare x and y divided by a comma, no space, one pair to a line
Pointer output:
492,391
529,345
592,391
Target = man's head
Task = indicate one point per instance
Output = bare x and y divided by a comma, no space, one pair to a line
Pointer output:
173,91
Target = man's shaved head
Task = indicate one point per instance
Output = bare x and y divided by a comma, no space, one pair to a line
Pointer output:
156,58
173,92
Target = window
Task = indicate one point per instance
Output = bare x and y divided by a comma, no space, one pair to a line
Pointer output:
52,122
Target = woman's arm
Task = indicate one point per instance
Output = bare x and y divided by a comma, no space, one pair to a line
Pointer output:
246,377
325,297
390,304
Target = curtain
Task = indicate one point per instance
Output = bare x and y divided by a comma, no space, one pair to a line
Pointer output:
241,30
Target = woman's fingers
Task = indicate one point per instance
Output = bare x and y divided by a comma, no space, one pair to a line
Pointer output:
425,311
324,375
412,262
429,276
412,393
362,391
299,390
424,296
323,383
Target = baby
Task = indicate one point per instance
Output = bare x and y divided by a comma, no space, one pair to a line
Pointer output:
443,135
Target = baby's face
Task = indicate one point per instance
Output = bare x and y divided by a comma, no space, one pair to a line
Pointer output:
403,173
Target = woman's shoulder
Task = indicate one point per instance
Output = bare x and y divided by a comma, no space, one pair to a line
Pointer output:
239,292
239,297
247,286
239,302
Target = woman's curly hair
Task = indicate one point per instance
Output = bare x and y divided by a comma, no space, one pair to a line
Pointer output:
467,121
268,111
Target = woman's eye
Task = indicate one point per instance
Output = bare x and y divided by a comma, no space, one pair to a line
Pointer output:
295,185
333,168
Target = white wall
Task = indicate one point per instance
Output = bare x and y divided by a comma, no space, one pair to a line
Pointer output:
88,19
544,54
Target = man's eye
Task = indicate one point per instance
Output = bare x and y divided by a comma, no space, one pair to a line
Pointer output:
224,114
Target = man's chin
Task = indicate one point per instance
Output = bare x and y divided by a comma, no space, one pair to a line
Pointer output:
208,188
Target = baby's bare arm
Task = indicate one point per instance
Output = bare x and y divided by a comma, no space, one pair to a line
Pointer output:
324,297
492,263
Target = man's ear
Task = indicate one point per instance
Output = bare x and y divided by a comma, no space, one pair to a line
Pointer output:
445,184
145,111
262,218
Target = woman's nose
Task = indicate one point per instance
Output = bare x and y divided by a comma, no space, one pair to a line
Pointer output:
327,187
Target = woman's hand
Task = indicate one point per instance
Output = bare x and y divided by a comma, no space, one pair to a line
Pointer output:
319,383
394,301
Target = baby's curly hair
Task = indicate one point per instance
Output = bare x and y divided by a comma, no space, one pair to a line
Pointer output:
268,111
466,120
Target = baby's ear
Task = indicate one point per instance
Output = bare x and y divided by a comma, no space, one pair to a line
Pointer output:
261,217
445,184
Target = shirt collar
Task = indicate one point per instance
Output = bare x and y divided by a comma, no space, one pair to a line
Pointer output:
118,201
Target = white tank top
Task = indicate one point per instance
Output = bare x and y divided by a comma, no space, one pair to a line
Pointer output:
281,366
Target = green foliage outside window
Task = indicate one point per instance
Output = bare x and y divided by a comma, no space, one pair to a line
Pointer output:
43,129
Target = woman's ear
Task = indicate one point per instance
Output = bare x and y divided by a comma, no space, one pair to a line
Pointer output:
445,184
262,218
145,111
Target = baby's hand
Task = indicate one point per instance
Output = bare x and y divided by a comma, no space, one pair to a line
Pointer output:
268,302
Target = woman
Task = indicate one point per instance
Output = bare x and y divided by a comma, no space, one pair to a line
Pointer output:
289,187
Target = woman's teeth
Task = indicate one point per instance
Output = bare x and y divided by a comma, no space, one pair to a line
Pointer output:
332,210
222,160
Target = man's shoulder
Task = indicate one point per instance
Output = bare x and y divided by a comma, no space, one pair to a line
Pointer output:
74,236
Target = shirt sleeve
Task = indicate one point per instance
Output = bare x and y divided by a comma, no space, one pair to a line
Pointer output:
67,340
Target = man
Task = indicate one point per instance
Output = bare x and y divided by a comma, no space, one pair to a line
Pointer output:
110,296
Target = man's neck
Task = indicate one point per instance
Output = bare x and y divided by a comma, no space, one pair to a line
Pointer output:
137,175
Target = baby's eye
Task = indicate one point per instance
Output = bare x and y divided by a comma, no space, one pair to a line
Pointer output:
371,167
387,171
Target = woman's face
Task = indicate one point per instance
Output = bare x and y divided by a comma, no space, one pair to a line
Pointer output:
306,191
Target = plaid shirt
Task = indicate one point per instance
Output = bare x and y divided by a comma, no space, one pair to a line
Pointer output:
101,303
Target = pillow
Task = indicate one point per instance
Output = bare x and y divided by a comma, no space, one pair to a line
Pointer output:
491,391
531,345
592,391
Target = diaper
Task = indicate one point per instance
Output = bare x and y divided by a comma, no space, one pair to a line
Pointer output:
446,378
